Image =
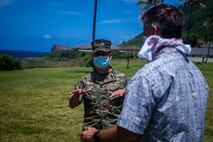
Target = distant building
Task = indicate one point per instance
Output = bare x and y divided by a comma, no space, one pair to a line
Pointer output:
196,52
84,48
126,48
201,52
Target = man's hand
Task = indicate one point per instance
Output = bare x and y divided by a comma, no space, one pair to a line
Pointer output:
87,135
81,91
74,96
120,92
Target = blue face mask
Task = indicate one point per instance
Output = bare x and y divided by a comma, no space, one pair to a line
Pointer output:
101,62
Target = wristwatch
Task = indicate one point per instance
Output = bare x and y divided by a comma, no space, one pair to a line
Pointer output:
96,137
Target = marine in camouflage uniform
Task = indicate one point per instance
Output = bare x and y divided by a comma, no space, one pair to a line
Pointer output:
95,90
101,110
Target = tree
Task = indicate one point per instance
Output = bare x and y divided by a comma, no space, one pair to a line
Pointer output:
191,4
9,63
128,55
209,25
148,3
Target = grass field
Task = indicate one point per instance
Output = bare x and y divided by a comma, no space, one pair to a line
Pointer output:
34,103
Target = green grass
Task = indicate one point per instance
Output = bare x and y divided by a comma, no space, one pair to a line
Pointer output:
34,103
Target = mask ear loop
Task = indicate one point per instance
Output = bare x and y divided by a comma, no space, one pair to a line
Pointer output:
154,30
110,56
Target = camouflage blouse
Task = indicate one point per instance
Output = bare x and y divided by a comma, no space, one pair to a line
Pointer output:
101,110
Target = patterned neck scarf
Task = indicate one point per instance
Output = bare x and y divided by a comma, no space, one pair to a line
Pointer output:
153,43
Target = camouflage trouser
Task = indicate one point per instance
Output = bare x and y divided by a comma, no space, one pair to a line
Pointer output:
81,140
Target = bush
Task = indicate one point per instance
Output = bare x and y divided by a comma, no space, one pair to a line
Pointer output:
9,63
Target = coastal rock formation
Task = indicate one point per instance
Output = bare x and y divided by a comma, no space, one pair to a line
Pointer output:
58,47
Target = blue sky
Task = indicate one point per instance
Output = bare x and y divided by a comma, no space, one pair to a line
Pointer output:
35,25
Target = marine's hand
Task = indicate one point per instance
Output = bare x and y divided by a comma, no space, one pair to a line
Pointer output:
120,92
81,91
87,135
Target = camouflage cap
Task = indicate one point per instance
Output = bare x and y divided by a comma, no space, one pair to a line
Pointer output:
101,45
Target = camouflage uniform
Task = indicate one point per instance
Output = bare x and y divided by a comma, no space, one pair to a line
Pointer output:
101,110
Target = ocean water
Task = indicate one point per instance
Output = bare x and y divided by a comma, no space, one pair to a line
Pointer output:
23,54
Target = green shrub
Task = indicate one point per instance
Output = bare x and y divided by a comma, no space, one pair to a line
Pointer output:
9,63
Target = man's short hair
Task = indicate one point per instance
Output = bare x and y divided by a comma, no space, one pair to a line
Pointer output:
101,45
167,18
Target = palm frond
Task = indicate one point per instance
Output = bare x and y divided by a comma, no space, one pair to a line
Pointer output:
143,2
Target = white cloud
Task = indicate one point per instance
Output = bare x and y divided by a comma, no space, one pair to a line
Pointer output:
47,36
113,21
73,13
6,2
